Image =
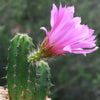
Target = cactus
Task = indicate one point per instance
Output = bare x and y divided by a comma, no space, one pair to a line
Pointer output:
26,80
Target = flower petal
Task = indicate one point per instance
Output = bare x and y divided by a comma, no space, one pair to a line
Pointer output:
67,48
54,15
82,51
43,28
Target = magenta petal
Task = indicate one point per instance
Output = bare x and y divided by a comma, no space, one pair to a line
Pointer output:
43,28
54,15
67,48
84,45
77,20
91,31
82,51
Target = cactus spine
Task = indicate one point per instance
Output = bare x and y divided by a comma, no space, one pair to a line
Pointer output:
26,80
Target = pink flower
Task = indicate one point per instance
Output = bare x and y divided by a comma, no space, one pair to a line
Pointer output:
67,34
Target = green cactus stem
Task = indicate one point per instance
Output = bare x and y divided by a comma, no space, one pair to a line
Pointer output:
42,83
26,80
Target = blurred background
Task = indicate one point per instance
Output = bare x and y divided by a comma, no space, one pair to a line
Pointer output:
75,77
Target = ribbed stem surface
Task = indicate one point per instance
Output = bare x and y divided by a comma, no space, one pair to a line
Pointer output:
26,80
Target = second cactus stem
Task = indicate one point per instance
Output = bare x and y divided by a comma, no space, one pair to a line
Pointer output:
27,80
